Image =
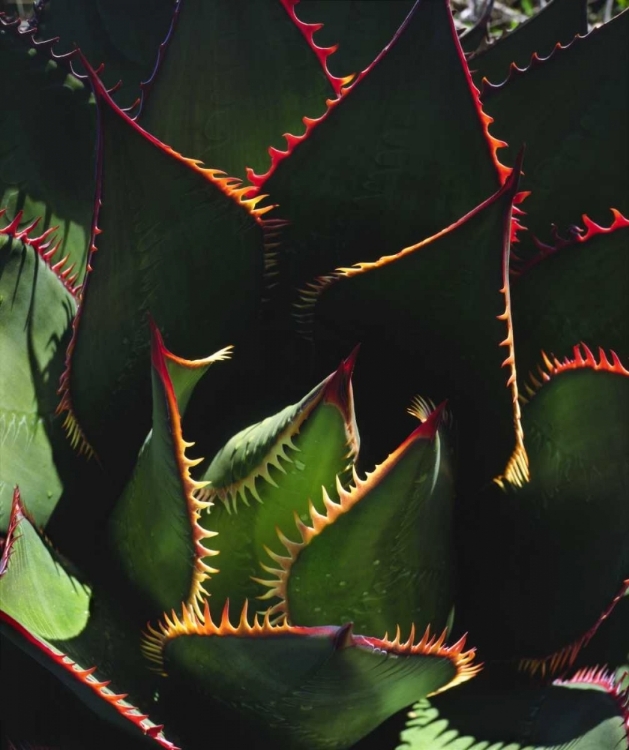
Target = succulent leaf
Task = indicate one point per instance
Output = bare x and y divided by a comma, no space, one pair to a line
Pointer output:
558,22
159,502
193,238
576,289
270,471
521,585
123,37
581,714
50,614
376,169
459,349
381,555
49,122
322,687
235,89
36,309
568,111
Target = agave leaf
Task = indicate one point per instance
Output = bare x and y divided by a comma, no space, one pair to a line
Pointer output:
373,174
270,471
51,614
518,587
575,290
321,687
556,23
609,644
362,28
568,111
124,37
36,310
49,122
440,311
170,231
382,555
159,502
213,68
587,713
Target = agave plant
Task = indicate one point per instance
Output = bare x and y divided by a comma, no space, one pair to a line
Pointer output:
459,209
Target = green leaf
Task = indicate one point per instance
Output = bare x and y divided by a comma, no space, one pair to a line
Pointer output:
360,28
318,687
382,555
567,527
51,615
271,471
49,122
571,716
225,65
556,23
36,311
570,114
575,290
176,240
124,37
451,291
391,163
164,564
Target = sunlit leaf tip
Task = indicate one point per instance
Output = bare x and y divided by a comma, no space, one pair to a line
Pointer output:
191,488
348,499
234,483
564,658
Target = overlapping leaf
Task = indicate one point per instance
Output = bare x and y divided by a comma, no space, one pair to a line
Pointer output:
176,240
271,471
381,555
226,63
570,113
566,530
311,687
48,136
440,311
36,310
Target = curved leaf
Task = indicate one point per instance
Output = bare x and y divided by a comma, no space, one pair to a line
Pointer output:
36,311
440,311
225,65
48,134
382,555
388,164
320,687
269,472
154,528
177,240
568,111
50,614
568,527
